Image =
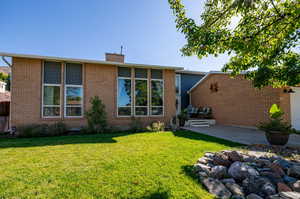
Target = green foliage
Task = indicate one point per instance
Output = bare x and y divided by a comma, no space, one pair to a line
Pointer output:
96,116
136,125
42,130
156,127
182,117
276,122
262,41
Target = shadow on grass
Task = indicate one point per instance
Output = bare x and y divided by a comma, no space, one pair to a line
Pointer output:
59,140
207,138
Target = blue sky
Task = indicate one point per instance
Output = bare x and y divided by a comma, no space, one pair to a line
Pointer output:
89,28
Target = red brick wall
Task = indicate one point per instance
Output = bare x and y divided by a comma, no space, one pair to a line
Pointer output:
237,102
99,80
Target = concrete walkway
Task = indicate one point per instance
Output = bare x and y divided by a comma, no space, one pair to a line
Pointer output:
240,135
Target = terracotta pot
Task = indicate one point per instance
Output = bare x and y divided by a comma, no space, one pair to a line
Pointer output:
277,137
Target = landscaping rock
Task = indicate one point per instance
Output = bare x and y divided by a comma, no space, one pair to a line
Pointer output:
204,160
273,177
296,186
240,171
209,155
202,174
294,171
216,187
283,163
262,162
235,189
290,195
228,180
218,172
281,187
253,196
234,156
221,159
201,167
276,168
289,180
268,189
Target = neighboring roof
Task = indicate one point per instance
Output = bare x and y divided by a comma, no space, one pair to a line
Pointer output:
191,72
5,97
88,61
206,76
5,69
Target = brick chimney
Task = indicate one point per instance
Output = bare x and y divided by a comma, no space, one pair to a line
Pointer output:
114,57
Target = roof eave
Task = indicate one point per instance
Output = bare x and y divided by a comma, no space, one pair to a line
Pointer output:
88,61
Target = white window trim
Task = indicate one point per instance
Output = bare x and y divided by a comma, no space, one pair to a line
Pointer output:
131,109
163,98
134,106
42,107
67,106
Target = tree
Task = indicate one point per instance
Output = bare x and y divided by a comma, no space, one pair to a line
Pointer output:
263,42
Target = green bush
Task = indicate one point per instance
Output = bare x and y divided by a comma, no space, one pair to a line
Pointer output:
276,123
156,127
96,116
42,130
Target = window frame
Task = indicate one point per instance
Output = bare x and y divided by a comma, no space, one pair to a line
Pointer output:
72,85
131,103
43,90
148,95
163,97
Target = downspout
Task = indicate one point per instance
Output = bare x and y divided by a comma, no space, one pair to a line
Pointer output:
9,119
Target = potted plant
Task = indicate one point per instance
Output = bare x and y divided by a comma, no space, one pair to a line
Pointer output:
182,117
276,130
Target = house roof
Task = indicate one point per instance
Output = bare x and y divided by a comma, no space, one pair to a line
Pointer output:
88,61
206,76
191,72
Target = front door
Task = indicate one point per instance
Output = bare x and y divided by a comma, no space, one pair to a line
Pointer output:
295,108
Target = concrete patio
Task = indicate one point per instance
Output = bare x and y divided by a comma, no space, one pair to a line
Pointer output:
241,135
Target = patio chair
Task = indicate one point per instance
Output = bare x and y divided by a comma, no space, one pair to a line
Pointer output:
192,111
205,112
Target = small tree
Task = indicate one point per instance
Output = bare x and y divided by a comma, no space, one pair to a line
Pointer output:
96,116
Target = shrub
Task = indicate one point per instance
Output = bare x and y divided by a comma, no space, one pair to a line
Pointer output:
156,127
96,116
136,125
276,122
42,130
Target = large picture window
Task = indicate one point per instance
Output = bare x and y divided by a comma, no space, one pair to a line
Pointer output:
141,92
124,92
157,93
51,89
73,90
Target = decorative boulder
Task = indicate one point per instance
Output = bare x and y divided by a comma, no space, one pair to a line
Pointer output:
234,156
218,172
276,168
281,187
296,186
294,171
239,171
253,196
221,159
217,188
235,189
290,195
201,167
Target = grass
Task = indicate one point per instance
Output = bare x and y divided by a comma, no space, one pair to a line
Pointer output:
144,165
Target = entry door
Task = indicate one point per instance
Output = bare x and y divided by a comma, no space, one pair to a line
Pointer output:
295,108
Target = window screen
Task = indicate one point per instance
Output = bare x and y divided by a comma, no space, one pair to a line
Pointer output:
73,74
124,72
140,73
52,72
156,74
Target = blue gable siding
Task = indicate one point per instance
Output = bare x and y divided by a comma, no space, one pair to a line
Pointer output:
187,82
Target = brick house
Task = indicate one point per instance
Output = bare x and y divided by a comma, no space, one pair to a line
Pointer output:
55,89
235,101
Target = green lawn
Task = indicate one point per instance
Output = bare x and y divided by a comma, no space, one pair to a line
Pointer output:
144,165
